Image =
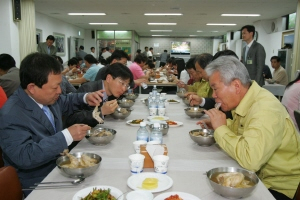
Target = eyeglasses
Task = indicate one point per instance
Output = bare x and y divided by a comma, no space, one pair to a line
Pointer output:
122,83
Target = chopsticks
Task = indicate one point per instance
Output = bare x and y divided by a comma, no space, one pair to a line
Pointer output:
49,187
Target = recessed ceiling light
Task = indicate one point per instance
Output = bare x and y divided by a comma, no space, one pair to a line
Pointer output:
162,23
199,31
103,23
162,14
161,30
160,35
86,14
213,24
240,15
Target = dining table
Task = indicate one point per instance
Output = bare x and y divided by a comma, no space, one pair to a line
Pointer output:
275,88
187,166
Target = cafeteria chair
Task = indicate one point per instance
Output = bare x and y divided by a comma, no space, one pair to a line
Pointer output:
297,194
10,184
297,117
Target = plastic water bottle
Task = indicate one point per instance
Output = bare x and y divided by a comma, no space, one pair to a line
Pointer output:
154,91
152,107
156,134
142,133
161,103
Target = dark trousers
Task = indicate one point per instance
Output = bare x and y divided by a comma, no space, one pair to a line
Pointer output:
278,195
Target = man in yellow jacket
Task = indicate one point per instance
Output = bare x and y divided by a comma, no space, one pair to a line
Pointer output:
261,137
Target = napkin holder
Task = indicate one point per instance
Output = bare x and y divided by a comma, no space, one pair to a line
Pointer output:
148,162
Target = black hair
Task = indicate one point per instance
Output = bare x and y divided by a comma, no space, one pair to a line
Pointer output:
138,51
103,61
92,48
72,61
146,47
107,49
190,64
50,37
203,59
275,57
36,67
6,62
140,58
249,28
90,59
224,53
118,70
165,50
81,47
151,48
150,64
118,55
172,61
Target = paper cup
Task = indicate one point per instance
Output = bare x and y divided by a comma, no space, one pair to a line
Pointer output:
154,142
161,111
152,111
136,163
137,145
161,163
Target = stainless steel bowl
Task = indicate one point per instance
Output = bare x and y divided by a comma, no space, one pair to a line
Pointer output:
131,96
230,192
125,103
194,112
207,140
186,101
125,112
79,172
160,80
180,94
164,128
100,141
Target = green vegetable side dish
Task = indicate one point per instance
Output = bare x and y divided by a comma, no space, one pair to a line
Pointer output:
172,101
99,194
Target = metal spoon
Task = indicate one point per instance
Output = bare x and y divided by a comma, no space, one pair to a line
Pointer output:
209,132
75,182
118,109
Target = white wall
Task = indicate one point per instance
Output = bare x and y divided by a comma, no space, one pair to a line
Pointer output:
90,42
9,33
216,43
49,25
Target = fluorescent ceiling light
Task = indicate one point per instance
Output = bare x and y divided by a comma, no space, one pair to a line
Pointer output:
86,14
193,35
178,14
160,35
240,15
161,30
215,31
162,23
213,24
103,23
199,31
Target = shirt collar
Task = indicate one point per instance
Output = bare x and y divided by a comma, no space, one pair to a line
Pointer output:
249,45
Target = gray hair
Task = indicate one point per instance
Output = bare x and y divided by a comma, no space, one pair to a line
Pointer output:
230,68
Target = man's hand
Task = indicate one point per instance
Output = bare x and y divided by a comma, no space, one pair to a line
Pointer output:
195,100
94,98
140,81
207,122
217,118
78,131
109,107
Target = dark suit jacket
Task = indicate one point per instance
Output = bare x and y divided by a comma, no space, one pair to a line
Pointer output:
43,48
257,55
10,81
27,138
85,116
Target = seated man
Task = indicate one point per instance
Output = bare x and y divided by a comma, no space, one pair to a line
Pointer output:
279,73
31,133
261,137
115,81
92,70
9,74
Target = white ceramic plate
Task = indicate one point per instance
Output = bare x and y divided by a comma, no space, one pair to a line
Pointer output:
157,118
129,123
175,101
84,192
139,195
182,195
178,124
164,181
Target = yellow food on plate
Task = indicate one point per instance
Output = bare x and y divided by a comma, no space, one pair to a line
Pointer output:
150,183
158,118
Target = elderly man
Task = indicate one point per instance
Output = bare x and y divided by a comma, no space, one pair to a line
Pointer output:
31,132
115,81
261,136
47,47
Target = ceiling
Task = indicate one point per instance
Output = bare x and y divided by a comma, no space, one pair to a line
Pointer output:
129,14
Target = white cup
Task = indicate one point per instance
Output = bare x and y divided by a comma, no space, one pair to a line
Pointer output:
137,144
136,163
154,142
152,111
161,111
161,163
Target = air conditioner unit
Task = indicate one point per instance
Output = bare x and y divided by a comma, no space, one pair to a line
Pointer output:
270,26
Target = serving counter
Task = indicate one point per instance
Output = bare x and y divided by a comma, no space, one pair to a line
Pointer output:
187,165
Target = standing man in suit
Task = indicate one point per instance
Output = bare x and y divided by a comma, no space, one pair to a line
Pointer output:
47,47
81,53
9,74
31,131
253,55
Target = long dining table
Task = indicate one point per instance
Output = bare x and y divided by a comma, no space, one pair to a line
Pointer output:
188,162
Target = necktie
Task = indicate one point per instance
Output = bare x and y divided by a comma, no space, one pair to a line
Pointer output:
246,53
49,115
48,50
